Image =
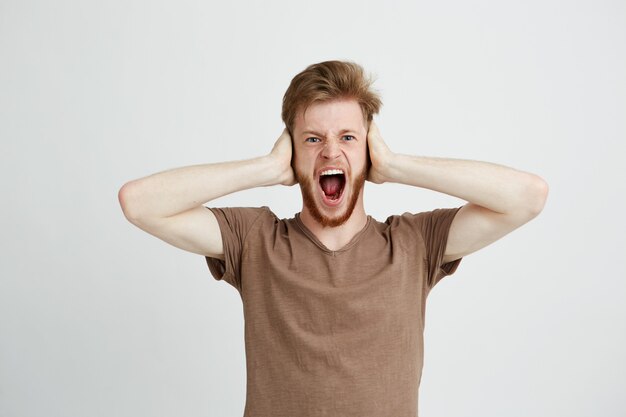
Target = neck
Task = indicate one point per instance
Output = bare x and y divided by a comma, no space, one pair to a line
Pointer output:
335,238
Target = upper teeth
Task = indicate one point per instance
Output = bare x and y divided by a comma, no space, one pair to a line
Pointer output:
332,172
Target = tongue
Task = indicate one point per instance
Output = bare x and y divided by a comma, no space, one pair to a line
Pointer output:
330,184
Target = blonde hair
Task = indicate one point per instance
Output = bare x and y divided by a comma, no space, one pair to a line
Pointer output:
326,81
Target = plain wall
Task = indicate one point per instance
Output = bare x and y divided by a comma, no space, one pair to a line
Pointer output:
98,318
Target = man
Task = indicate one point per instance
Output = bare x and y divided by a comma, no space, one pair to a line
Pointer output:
334,300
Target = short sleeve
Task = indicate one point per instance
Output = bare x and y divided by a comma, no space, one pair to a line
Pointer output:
434,227
235,224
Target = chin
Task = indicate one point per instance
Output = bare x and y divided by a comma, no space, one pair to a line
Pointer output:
335,220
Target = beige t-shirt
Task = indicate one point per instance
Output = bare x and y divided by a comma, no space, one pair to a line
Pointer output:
332,333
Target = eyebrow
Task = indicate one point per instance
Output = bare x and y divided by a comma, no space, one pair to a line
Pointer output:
307,132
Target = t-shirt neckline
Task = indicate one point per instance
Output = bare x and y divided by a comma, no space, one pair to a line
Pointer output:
323,247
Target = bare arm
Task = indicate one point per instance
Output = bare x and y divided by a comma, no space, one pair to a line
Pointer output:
169,204
500,199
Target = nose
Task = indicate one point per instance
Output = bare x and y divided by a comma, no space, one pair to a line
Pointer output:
331,149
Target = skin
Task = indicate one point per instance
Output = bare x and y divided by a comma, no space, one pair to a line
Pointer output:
170,204
331,135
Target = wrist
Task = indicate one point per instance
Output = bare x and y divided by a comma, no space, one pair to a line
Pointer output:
267,170
385,168
275,170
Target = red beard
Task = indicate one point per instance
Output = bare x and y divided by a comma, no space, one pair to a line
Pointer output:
309,189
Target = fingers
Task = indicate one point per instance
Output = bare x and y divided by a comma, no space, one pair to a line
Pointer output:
286,133
283,153
373,125
283,142
373,130
373,134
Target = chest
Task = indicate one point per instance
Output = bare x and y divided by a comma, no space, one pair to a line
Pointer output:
374,285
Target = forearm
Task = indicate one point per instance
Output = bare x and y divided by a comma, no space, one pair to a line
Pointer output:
171,192
495,187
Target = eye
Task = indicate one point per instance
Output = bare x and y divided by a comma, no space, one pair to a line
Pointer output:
312,140
349,138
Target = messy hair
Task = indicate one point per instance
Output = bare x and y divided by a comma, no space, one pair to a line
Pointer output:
326,81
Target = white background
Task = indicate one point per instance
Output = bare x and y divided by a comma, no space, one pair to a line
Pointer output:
98,318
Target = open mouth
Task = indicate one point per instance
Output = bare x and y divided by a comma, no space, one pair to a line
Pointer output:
332,183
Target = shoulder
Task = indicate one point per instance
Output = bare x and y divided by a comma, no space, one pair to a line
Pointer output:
424,224
405,220
398,226
242,218
247,213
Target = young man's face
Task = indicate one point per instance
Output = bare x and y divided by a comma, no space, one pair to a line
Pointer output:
330,159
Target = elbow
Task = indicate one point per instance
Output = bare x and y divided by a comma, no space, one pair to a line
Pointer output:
535,196
124,197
